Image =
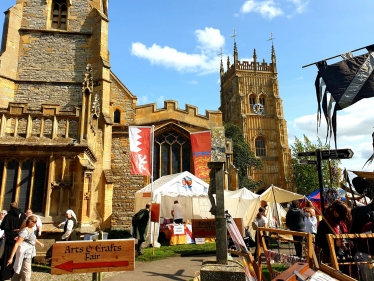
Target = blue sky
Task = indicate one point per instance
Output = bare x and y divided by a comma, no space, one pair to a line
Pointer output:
168,50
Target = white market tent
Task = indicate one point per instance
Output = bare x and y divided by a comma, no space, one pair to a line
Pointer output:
278,195
195,203
193,198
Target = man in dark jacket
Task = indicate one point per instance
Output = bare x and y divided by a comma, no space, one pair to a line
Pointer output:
141,227
11,225
295,222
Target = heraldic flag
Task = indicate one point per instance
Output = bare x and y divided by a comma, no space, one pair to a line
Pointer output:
140,150
201,152
347,81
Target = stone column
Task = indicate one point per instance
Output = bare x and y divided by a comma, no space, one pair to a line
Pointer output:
217,165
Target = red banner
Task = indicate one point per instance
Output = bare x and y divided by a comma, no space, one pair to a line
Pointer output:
140,150
201,152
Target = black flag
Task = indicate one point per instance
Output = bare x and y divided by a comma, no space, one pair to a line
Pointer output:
347,81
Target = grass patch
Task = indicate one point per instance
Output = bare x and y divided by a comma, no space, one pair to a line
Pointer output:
277,267
166,251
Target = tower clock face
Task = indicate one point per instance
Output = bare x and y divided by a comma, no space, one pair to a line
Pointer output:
258,108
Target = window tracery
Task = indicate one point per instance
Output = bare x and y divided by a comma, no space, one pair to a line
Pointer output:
59,14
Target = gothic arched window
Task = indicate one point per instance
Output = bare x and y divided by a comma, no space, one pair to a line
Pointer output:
260,147
172,154
59,14
117,116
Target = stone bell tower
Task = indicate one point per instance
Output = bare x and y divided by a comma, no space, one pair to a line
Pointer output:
250,99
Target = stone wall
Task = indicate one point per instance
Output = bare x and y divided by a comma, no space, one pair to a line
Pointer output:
125,184
122,101
53,57
65,95
37,14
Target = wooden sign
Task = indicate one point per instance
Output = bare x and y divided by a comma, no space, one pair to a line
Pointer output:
207,227
71,257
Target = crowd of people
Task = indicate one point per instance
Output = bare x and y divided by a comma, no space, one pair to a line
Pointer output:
18,237
337,219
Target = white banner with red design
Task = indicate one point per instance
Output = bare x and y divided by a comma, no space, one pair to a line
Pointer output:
141,142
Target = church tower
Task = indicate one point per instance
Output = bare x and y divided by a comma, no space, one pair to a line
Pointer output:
250,99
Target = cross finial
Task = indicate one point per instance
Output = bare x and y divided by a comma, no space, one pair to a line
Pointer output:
220,54
271,38
233,36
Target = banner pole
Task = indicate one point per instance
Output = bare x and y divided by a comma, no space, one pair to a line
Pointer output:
152,154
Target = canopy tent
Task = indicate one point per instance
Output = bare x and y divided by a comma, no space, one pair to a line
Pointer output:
315,197
364,174
242,203
275,195
189,190
278,195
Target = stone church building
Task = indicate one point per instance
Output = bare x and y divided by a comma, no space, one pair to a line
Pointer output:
64,118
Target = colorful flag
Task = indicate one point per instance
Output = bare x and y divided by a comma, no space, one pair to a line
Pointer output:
140,150
201,152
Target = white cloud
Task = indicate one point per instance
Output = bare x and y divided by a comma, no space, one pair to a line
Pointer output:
354,130
300,5
268,9
207,61
353,123
145,100
160,101
246,59
142,100
194,82
210,39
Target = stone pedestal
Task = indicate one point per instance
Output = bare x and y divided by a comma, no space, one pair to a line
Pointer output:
213,271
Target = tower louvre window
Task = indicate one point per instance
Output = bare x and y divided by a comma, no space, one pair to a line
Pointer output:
59,14
260,147
252,102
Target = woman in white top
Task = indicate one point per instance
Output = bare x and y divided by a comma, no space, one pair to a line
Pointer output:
262,221
310,221
24,249
69,225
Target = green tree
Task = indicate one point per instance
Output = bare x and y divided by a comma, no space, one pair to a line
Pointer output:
306,176
244,158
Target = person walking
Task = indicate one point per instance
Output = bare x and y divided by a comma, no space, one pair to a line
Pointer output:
141,227
69,225
337,219
260,221
295,222
38,226
310,221
24,250
2,215
11,225
177,212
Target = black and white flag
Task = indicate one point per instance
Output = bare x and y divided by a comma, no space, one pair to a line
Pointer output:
347,82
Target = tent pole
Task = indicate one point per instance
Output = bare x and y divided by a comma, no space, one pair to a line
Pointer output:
276,207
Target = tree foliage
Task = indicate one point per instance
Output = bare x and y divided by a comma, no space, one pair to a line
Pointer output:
306,176
244,158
